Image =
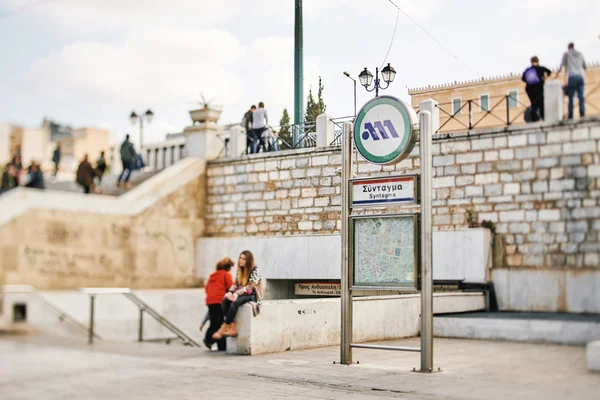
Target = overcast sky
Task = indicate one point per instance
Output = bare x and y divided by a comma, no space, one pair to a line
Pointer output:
90,62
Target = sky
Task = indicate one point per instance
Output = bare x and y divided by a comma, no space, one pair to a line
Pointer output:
91,62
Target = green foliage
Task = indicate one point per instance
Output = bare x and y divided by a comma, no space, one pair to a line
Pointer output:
285,132
314,108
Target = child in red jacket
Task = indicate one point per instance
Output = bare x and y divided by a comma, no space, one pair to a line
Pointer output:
218,283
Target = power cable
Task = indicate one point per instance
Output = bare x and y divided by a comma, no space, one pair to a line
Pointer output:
431,36
17,10
393,37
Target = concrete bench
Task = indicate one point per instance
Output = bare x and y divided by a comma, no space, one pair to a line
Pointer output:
592,355
297,324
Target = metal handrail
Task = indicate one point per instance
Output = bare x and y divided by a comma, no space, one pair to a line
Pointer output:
144,308
62,315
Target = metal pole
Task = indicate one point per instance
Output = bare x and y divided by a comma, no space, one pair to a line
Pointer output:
470,115
426,244
141,133
376,82
298,66
346,298
91,331
353,80
141,326
378,347
507,110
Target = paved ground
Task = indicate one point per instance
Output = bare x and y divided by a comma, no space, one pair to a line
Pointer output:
34,367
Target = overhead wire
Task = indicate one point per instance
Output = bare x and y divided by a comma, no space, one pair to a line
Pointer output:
393,36
430,35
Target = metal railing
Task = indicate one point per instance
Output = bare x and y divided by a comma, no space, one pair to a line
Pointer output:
504,109
143,308
338,124
62,315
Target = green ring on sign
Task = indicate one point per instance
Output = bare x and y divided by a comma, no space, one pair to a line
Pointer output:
402,148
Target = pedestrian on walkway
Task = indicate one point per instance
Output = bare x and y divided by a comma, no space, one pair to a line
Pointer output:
218,284
56,159
260,120
534,78
247,124
86,175
18,166
574,65
247,288
128,156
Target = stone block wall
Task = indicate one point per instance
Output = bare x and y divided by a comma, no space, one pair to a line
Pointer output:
540,185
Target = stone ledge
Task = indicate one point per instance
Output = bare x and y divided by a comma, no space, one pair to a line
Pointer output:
592,355
286,325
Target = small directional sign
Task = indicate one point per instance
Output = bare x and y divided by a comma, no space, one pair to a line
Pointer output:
385,130
384,191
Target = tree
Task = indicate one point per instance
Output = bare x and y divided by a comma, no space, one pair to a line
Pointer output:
314,108
284,128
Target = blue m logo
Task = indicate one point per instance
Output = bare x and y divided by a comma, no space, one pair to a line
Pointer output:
372,128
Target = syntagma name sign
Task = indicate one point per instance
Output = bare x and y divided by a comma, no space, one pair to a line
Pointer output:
383,191
318,289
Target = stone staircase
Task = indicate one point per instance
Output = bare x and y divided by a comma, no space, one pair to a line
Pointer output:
108,186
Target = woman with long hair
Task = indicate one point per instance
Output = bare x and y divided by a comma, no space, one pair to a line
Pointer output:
218,284
247,287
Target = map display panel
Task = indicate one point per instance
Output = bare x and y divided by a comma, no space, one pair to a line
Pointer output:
385,251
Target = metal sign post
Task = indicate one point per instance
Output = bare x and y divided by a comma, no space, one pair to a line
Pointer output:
426,244
384,133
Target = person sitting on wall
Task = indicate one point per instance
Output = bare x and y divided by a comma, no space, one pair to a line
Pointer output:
36,177
216,288
247,288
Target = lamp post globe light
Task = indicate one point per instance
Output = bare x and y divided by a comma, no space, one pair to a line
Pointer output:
148,115
388,73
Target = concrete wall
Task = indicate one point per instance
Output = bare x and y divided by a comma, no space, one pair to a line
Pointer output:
463,255
146,238
284,325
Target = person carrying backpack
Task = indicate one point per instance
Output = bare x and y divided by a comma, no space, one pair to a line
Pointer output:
534,78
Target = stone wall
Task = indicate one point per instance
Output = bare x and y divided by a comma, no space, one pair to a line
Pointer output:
143,239
540,185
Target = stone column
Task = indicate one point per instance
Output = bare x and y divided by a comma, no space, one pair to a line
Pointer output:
201,138
325,131
554,102
432,106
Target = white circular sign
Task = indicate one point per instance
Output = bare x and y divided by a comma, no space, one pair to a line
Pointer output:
385,130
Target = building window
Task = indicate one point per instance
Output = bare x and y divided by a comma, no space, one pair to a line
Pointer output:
456,104
484,102
513,98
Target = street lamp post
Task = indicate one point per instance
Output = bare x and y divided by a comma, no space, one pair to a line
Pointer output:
353,80
387,74
134,119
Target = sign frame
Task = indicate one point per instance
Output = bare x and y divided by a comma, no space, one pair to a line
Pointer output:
411,126
416,192
417,254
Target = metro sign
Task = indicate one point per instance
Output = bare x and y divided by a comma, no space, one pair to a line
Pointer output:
385,130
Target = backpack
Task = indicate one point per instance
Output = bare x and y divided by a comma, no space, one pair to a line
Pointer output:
532,77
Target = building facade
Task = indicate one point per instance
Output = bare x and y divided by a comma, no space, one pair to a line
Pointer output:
493,102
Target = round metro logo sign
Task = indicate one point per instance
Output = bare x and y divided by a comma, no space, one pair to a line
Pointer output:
385,130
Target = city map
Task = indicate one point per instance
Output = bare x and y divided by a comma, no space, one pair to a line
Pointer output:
384,251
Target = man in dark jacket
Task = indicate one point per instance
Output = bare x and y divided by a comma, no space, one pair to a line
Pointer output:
128,155
86,175
534,77
247,124
36,177
56,158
